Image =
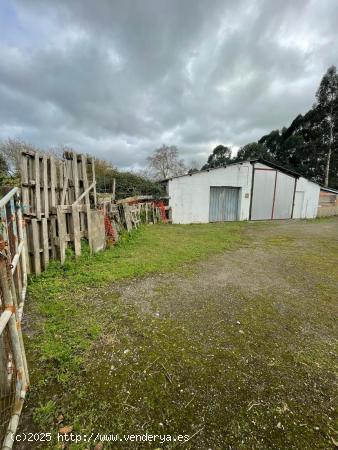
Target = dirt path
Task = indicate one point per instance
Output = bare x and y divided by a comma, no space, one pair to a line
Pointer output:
259,326
271,263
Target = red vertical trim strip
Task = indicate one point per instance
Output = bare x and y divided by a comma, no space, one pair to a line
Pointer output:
293,200
252,189
274,196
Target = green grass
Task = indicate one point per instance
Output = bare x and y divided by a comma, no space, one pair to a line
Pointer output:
150,249
62,301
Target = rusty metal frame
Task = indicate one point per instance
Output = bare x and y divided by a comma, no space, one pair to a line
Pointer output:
13,267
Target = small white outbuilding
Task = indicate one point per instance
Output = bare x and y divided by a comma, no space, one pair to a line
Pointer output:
249,190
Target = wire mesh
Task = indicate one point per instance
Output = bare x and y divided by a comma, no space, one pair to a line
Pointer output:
7,382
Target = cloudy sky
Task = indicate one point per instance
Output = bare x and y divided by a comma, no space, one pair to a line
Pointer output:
117,78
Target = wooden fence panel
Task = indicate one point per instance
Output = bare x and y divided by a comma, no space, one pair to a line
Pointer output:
48,184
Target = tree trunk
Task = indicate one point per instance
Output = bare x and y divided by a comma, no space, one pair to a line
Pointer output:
328,160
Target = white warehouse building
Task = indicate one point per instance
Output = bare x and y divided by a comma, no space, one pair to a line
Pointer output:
249,190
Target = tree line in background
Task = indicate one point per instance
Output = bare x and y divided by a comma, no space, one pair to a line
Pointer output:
309,145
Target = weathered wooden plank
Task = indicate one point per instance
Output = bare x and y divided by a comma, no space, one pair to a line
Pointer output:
136,198
75,175
45,243
84,193
53,237
87,200
127,217
94,181
61,218
37,185
52,181
25,238
36,246
68,208
24,182
45,186
114,189
76,230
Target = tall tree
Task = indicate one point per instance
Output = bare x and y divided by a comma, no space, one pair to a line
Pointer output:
327,105
252,151
220,156
165,163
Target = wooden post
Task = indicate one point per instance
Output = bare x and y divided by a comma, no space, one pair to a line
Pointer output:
76,230
53,236
114,189
45,243
36,246
37,185
52,181
25,238
75,176
24,183
45,186
127,217
153,211
62,233
87,201
94,181
60,181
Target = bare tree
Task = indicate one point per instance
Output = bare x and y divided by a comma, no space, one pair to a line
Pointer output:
165,163
11,150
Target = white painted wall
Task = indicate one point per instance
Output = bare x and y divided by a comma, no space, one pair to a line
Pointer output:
306,199
190,195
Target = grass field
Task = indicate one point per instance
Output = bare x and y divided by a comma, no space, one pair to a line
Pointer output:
179,330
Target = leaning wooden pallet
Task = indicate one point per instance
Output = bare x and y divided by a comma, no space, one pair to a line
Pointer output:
57,205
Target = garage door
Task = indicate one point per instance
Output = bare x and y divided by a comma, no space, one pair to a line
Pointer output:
272,196
223,204
263,194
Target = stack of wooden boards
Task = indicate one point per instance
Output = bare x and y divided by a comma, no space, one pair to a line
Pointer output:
129,213
58,204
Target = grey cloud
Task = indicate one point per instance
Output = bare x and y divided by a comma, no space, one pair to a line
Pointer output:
119,78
